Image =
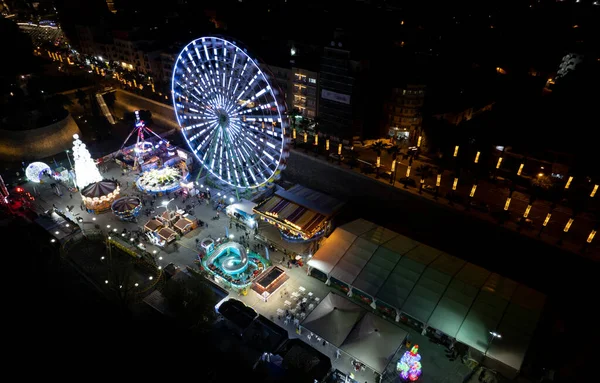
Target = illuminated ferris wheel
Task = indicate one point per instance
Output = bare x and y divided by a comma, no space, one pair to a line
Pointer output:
229,113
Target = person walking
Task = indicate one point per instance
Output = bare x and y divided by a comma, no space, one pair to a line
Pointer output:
71,195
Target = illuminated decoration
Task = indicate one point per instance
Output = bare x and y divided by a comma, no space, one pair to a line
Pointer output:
231,140
593,193
438,180
569,182
455,183
378,161
340,149
407,171
527,210
86,171
456,151
409,365
472,194
36,170
507,204
305,137
520,169
547,219
419,141
499,163
316,139
477,157
294,133
568,225
327,144
393,166
590,237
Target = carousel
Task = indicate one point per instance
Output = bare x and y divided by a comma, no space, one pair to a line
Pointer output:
127,208
162,181
99,196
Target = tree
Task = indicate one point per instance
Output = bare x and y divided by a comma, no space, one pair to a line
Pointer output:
293,114
394,151
378,147
424,171
192,301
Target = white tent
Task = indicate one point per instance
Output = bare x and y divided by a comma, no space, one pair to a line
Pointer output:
332,250
333,318
374,341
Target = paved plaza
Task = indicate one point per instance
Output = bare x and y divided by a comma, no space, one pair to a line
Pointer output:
437,368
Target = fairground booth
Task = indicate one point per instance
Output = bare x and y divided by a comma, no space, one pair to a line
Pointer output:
243,212
433,292
301,214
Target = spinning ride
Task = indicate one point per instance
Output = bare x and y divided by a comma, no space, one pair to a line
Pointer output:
142,147
229,113
161,181
127,208
99,196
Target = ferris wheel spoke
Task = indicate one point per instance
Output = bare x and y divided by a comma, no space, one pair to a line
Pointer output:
228,112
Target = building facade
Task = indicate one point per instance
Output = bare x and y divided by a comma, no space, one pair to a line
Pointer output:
305,92
336,85
403,110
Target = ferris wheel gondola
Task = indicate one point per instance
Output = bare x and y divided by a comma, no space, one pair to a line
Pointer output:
229,113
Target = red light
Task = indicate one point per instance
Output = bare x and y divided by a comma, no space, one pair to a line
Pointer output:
19,190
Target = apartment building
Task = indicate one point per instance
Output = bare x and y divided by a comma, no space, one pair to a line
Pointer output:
305,85
403,110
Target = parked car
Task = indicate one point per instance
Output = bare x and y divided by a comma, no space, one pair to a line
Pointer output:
481,206
429,188
337,157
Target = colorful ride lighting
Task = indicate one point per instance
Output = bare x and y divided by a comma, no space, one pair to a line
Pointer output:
455,183
545,223
477,157
569,182
472,194
568,225
593,193
590,237
499,163
520,169
507,204
527,210
455,151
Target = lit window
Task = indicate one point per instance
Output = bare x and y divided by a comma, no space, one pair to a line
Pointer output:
312,80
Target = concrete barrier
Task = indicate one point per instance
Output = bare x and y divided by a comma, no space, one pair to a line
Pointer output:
35,144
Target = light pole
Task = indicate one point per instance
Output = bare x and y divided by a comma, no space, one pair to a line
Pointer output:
166,203
494,336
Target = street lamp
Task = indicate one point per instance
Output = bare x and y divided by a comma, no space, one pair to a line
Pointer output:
166,203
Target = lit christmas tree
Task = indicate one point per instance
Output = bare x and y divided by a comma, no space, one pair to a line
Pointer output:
410,365
86,171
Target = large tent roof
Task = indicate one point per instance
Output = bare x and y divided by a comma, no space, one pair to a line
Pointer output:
333,318
374,341
461,299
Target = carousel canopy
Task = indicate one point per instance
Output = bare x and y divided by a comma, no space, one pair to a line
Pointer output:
99,189
126,204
